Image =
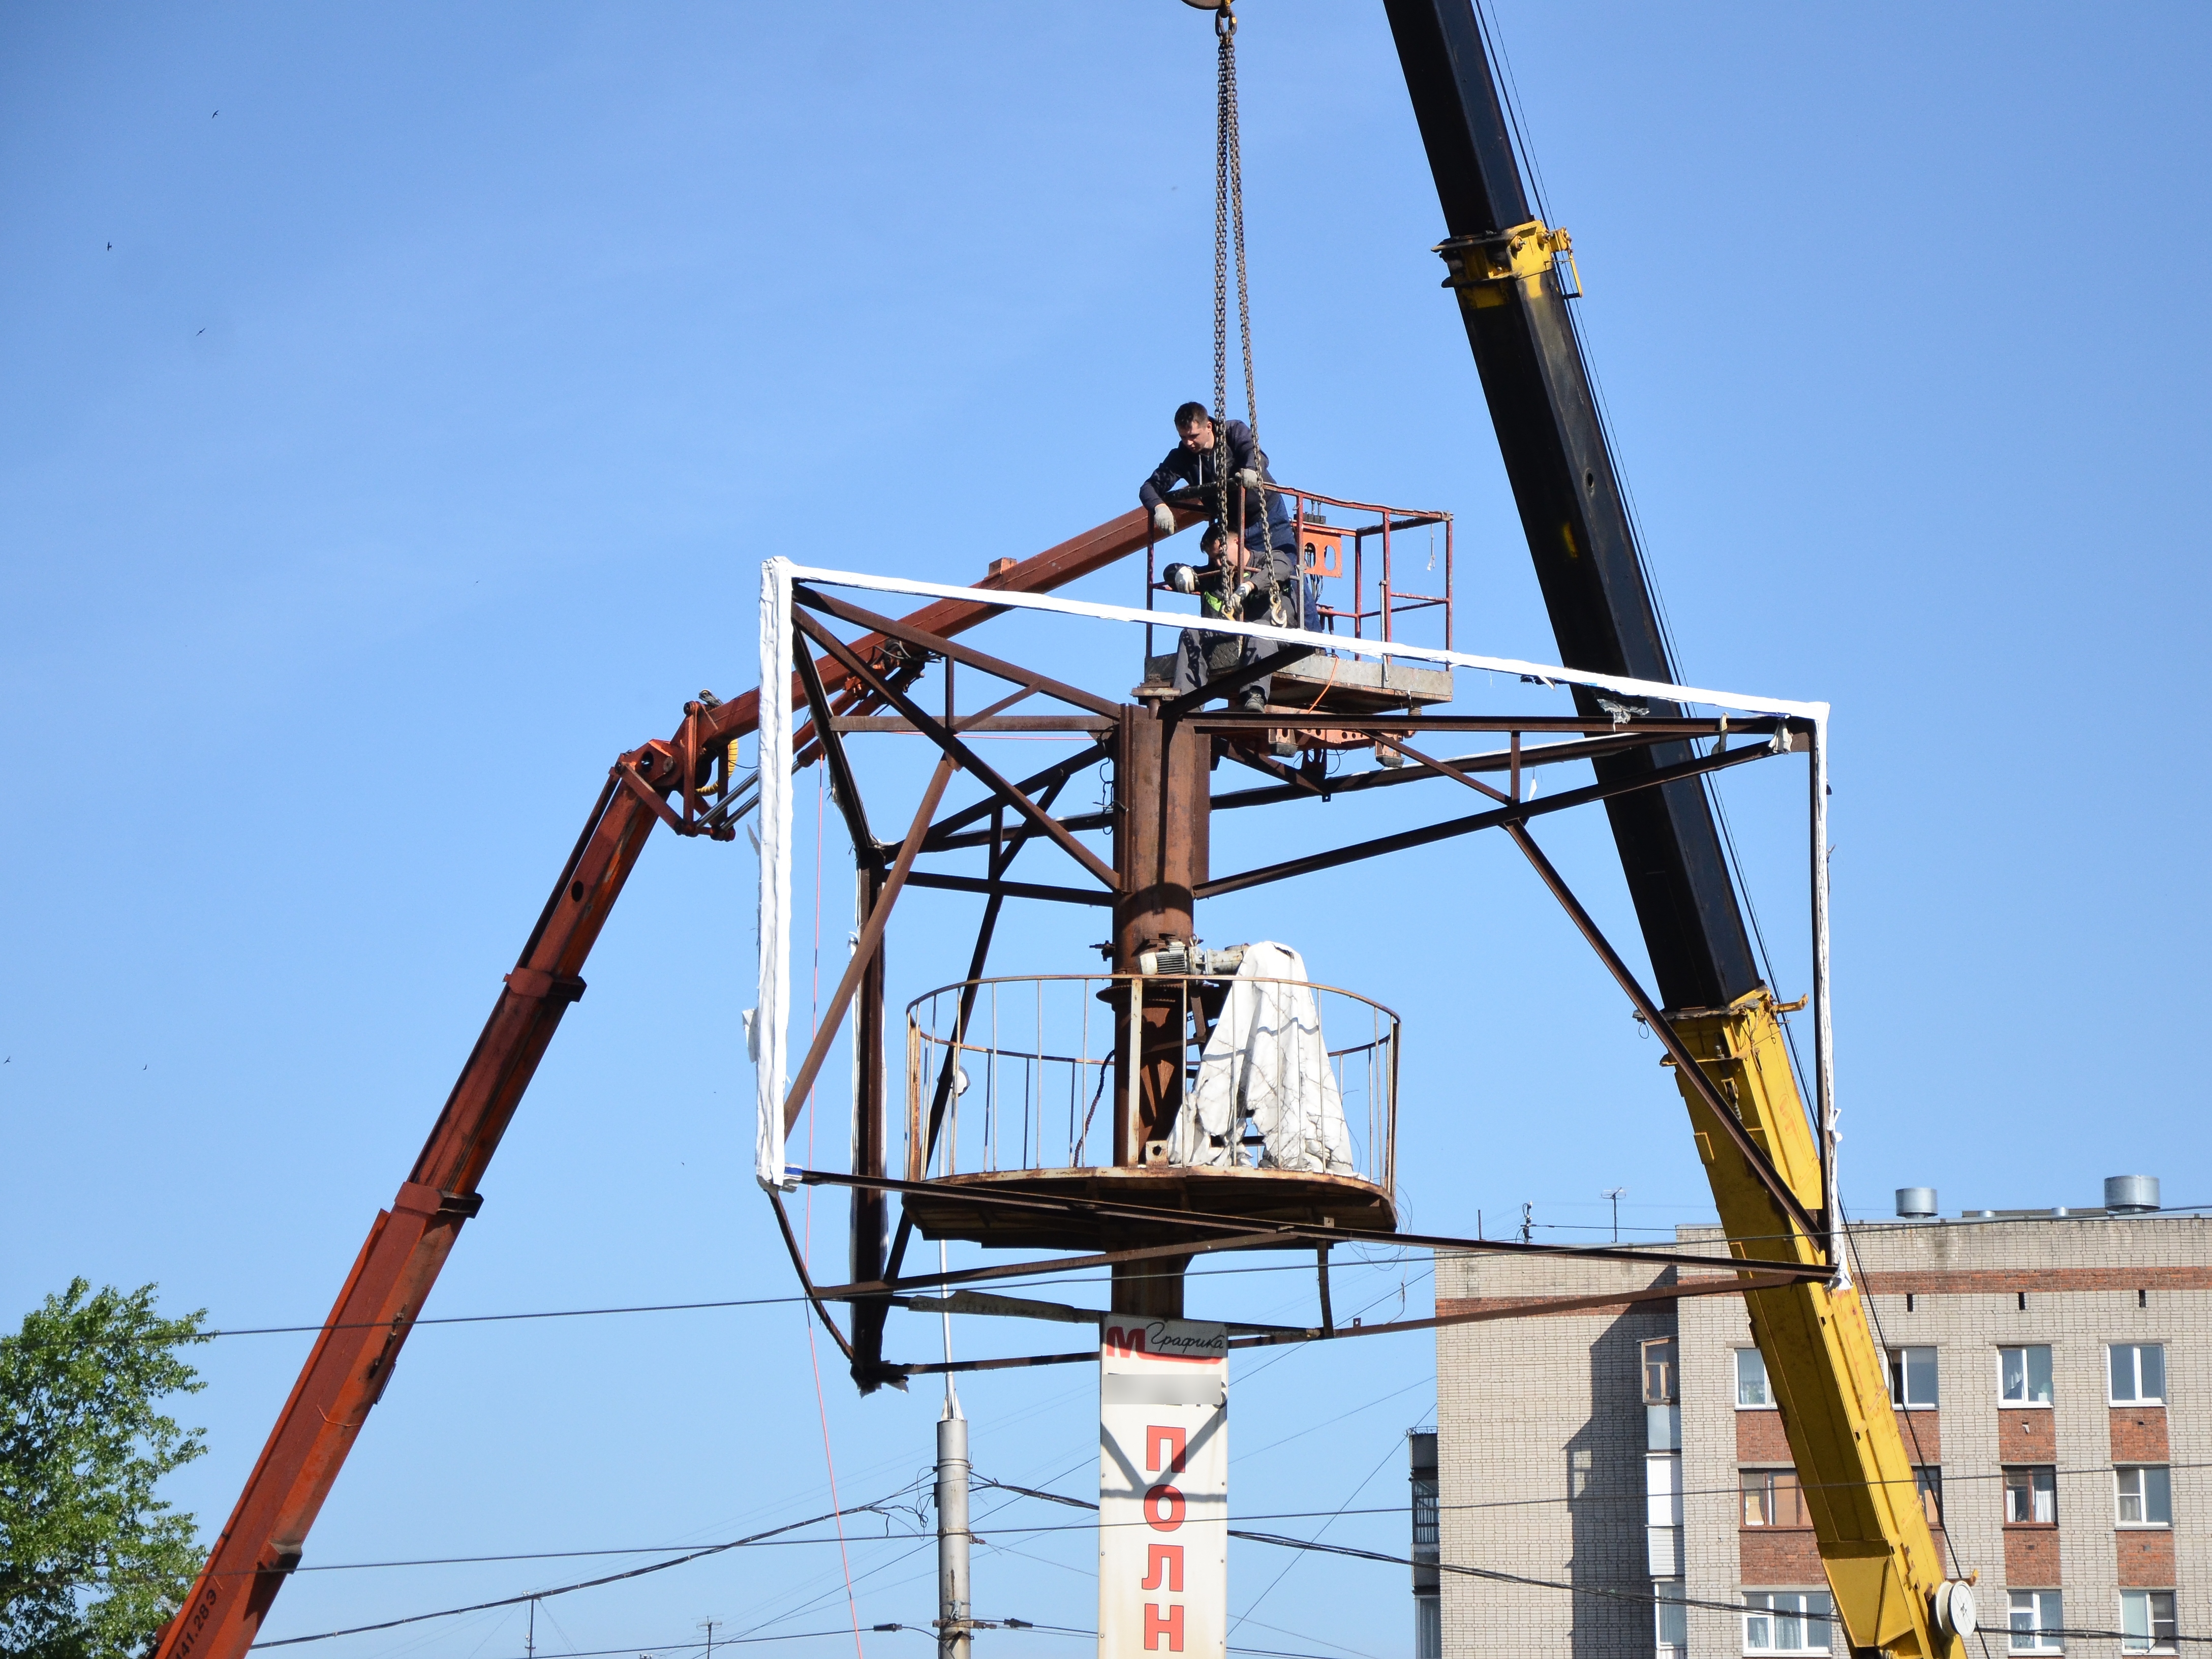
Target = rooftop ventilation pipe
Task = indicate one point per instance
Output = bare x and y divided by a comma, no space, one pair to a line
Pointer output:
1916,1203
2131,1195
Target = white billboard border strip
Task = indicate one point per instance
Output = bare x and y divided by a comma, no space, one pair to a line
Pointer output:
771,1034
777,576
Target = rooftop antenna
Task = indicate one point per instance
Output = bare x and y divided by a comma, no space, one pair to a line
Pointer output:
1614,1193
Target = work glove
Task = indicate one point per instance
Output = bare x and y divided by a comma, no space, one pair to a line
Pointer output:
1162,521
1249,477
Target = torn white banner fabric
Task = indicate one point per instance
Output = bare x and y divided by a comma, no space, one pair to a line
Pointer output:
771,1023
1266,1065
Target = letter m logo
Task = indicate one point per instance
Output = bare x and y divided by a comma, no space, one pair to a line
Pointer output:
1125,1340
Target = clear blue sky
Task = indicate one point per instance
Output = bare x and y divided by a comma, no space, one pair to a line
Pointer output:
412,450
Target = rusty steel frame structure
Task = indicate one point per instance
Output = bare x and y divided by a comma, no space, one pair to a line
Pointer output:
878,1283
690,782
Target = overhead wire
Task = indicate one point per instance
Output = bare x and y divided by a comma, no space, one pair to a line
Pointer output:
1089,1277
586,1584
1591,1496
1254,1603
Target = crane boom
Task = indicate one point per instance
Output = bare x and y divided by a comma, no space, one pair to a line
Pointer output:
1882,1560
1829,1380
348,1367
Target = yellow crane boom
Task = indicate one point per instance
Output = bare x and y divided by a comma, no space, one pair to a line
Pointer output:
1513,275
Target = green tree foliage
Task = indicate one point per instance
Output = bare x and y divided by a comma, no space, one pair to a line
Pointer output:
92,1564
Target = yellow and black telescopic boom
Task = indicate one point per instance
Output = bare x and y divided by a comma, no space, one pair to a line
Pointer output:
1505,264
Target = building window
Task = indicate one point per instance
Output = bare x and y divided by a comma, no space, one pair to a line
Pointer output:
2138,1373
1786,1621
2032,1496
1913,1377
2147,1621
1929,1478
2024,1375
1663,1515
2146,1496
1674,1617
1751,1387
1659,1371
1772,1497
2037,1618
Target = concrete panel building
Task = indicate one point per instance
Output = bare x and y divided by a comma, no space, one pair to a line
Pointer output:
1616,1482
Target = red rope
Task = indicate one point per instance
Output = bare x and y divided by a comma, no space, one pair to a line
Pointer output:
806,1247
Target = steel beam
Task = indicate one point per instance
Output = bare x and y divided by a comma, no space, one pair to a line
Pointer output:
864,951
1451,827
954,749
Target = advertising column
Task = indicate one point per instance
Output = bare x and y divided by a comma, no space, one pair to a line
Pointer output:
1162,1488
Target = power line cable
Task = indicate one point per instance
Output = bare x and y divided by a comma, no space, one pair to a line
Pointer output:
588,1583
1391,1260
1255,1602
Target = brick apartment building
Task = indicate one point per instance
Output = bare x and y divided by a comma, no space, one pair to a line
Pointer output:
2052,1375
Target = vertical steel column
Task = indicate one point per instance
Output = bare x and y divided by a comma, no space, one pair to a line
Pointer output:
871,1126
1161,808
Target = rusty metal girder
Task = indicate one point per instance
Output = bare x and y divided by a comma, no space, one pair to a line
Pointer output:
346,1371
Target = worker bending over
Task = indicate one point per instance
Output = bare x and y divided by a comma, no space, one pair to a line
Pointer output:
1252,572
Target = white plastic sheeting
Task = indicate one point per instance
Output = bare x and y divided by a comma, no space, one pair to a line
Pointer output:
769,1030
1266,1064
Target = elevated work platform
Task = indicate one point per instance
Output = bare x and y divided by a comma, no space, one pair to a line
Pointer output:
1203,1094
961,1206
1337,686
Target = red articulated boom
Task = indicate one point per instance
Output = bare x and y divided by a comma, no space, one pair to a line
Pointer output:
348,1368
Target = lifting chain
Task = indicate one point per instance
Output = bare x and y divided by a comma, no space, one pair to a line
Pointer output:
1228,228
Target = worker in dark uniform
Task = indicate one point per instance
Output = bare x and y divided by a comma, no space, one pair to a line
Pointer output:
1252,574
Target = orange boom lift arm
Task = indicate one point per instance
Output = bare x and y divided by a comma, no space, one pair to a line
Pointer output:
687,782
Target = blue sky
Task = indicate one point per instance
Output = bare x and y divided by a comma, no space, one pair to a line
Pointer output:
413,448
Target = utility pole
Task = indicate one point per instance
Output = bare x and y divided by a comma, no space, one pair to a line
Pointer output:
955,1609
708,1624
1614,1194
530,1641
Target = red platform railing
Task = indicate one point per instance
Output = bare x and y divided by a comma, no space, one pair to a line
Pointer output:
1320,541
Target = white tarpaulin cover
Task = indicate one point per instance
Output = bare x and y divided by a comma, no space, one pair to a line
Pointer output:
1266,1064
770,1027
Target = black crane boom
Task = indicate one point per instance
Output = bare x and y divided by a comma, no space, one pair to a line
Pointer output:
1541,403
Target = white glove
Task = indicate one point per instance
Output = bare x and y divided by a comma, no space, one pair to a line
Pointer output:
1162,521
1249,477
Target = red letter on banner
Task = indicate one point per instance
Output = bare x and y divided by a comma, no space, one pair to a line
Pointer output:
1175,1441
1163,1511
1158,1624
1162,1560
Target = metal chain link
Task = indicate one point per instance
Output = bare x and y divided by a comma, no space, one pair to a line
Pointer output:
1228,224
1224,127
